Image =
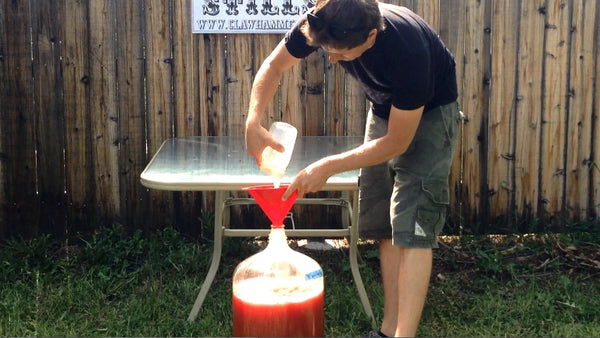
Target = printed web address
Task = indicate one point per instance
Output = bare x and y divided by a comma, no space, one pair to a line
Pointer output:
243,25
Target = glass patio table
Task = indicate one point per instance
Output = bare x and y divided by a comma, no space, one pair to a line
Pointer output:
221,164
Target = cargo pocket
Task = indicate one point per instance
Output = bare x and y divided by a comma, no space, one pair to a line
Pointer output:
428,222
437,191
431,214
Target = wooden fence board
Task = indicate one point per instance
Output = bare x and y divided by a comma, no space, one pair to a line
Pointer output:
356,108
159,73
529,89
186,71
474,103
313,94
501,122
159,104
214,87
452,17
239,81
595,203
77,111
552,152
132,110
18,126
334,83
48,115
204,84
239,76
580,112
217,113
104,113
3,112
188,121
211,92
430,11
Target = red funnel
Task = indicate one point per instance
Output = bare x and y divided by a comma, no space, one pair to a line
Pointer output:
269,199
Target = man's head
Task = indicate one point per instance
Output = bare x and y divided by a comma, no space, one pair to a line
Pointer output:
342,24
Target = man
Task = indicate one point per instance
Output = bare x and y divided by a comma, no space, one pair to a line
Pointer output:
409,77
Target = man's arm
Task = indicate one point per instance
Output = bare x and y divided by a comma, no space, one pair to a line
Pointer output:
402,126
264,87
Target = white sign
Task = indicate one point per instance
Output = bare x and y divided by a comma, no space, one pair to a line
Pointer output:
247,16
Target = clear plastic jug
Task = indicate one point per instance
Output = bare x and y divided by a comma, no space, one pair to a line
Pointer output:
273,162
277,292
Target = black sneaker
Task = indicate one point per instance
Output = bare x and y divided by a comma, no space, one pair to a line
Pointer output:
373,334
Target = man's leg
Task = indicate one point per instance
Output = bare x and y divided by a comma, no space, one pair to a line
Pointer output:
405,273
416,186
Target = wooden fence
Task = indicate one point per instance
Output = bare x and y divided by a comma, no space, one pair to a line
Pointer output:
89,89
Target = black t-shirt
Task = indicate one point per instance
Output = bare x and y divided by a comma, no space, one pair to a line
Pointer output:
408,66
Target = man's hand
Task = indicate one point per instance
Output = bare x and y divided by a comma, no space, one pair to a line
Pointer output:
257,139
309,179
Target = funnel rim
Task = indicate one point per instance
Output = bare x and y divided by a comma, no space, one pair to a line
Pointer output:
269,200
263,186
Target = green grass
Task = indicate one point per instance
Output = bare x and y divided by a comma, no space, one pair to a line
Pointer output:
111,284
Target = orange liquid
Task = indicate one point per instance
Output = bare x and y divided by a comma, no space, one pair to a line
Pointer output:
298,318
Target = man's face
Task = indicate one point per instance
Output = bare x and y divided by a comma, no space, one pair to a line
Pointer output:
349,54
336,55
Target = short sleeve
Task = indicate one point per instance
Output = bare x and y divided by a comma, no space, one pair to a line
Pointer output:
295,41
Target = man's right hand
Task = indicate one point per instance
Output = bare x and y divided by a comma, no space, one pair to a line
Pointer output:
257,139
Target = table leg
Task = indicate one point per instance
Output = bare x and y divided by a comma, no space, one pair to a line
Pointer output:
216,256
360,287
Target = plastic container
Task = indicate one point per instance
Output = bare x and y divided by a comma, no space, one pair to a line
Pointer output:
278,292
273,162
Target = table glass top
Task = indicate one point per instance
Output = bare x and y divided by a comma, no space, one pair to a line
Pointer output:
222,163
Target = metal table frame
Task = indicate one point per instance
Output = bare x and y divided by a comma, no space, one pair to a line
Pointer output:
221,164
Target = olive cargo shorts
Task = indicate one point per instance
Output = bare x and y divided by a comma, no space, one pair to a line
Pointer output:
406,198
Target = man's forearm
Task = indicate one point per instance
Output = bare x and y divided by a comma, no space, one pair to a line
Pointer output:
263,90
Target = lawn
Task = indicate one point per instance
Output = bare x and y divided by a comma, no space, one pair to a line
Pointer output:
111,284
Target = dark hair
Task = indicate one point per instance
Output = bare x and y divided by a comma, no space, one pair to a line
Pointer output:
341,24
